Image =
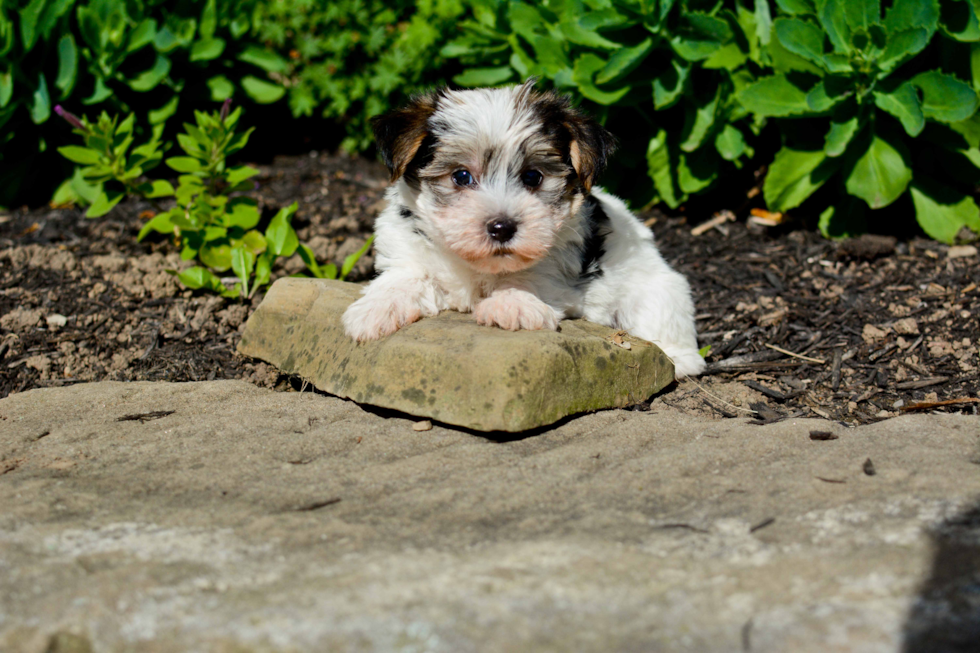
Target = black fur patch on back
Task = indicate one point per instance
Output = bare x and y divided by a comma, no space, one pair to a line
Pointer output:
594,245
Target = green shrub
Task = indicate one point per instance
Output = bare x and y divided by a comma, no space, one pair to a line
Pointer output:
145,57
869,106
353,59
343,61
211,220
889,113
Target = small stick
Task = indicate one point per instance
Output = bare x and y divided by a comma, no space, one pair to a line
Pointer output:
800,356
926,405
720,218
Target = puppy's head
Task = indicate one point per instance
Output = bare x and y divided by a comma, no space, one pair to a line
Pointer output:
495,173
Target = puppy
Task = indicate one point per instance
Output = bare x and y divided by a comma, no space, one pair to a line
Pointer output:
493,211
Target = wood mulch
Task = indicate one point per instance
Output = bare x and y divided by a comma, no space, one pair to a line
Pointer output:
854,331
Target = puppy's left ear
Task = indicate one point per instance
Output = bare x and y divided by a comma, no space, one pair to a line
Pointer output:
590,147
399,133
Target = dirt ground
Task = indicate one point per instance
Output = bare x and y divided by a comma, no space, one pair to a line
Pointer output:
873,327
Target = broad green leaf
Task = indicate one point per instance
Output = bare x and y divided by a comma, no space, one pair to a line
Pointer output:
942,211
184,164
828,93
84,155
774,96
524,19
144,34
698,35
484,76
221,88
254,242
698,121
974,65
840,135
730,143
149,79
696,171
159,188
881,174
104,203
352,260
160,224
280,234
67,64
585,67
944,97
243,264
661,170
969,130
575,33
831,16
861,14
159,116
624,61
242,214
669,85
261,91
29,17
801,38
40,105
794,175
207,49
784,61
197,277
87,191
904,104
909,14
240,173
216,256
265,59
805,7
209,19
901,47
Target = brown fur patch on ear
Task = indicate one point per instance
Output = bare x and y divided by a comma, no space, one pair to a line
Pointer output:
586,144
589,149
400,133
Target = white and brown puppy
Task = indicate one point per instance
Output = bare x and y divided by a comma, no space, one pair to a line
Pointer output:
494,211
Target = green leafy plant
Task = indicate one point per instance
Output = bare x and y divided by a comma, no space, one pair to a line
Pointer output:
211,219
141,57
891,114
351,59
671,69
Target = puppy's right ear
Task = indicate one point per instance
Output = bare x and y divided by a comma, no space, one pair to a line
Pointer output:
399,133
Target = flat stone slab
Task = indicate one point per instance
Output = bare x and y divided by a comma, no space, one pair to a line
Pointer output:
157,517
449,368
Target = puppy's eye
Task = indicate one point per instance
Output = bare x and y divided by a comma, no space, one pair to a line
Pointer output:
531,178
462,178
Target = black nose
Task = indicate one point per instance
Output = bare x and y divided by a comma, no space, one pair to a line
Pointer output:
501,229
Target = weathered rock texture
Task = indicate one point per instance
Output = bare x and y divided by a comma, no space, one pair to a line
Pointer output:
253,521
449,368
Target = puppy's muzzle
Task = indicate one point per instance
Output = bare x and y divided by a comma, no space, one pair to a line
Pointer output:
501,229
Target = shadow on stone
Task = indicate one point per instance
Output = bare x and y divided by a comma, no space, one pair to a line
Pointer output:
945,617
299,385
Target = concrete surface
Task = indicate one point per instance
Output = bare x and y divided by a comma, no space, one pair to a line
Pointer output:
249,520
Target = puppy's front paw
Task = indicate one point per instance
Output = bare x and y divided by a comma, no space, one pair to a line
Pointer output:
375,316
514,309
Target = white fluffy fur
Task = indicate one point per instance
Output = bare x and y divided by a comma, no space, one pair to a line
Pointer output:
426,265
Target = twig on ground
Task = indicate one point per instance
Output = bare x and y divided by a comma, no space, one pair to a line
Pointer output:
819,361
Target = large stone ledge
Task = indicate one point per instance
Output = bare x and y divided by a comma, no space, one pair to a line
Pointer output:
449,368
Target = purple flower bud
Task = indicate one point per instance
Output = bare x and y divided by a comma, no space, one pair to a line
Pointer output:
225,108
71,118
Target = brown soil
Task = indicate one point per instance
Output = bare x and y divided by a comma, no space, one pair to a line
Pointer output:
893,324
